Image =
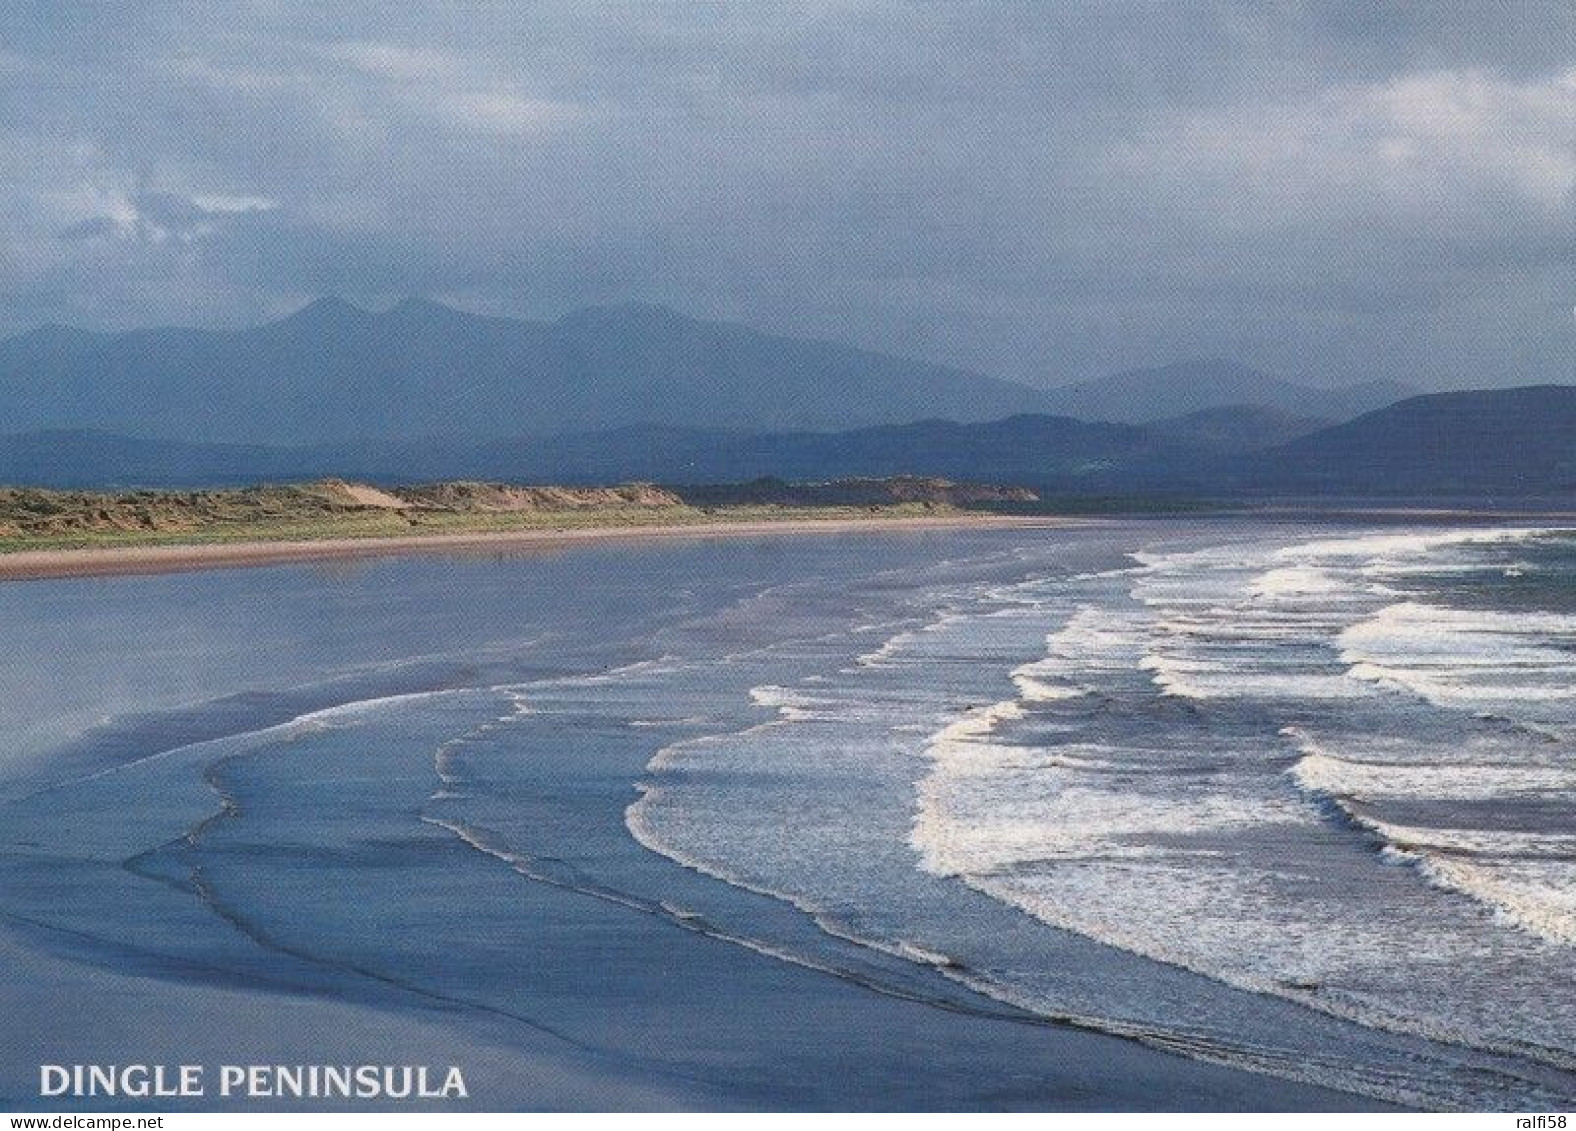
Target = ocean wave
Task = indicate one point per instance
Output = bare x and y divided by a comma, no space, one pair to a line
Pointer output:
1152,860
1380,548
1131,782
1367,781
1484,660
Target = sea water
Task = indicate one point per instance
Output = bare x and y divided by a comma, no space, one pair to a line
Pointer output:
1290,799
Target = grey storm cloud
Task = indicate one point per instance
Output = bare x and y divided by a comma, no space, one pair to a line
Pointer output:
1332,191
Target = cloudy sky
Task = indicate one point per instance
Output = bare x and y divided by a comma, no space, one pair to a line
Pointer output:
1334,191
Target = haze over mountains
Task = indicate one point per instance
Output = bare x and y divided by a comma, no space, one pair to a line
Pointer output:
1142,396
333,372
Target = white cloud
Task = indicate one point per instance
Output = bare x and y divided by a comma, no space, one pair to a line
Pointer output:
397,62
229,203
504,112
1435,145
154,216
460,90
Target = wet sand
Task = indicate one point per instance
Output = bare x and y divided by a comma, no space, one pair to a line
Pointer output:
118,560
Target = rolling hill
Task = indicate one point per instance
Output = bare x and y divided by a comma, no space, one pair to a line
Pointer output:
1512,441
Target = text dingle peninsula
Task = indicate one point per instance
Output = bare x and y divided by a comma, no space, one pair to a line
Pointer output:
254,1081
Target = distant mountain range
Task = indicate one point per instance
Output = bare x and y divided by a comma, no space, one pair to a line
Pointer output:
1512,442
425,392
1142,396
332,373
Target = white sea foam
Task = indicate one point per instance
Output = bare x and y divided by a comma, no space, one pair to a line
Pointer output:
791,704
1225,872
1535,895
1491,661
1031,681
1381,548
888,649
1366,781
1297,583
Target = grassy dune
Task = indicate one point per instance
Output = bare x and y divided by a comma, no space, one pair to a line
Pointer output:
63,520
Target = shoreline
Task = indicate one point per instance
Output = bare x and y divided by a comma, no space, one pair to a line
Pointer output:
41,565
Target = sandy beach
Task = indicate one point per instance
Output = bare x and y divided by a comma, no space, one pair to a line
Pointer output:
26,565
